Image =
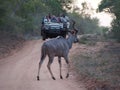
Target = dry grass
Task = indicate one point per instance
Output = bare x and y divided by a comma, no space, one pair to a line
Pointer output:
99,63
9,43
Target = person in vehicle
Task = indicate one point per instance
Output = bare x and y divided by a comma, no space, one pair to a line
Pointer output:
65,21
54,19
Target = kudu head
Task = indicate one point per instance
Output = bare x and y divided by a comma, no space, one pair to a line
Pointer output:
73,34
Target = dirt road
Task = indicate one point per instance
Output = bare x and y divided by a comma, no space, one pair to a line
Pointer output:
19,71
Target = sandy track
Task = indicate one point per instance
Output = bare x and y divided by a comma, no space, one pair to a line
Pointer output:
19,71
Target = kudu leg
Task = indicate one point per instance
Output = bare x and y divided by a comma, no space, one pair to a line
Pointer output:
49,67
40,63
60,65
68,66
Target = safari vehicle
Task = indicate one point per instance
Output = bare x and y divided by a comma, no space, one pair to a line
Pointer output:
53,29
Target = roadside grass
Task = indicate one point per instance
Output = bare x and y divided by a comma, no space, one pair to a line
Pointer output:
89,39
98,68
102,65
9,43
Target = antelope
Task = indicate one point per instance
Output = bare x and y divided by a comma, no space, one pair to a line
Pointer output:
57,47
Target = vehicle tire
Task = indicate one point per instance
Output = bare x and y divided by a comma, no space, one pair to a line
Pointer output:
63,33
44,37
42,31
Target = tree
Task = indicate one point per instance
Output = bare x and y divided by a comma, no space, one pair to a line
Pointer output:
24,16
85,24
18,16
113,7
58,6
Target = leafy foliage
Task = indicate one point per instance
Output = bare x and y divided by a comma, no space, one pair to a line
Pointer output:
18,15
24,16
112,7
86,24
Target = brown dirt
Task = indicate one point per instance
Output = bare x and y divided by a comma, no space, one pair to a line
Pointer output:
19,70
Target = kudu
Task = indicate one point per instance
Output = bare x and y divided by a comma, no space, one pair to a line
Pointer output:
57,47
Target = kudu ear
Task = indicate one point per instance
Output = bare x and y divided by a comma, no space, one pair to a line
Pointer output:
76,31
73,32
